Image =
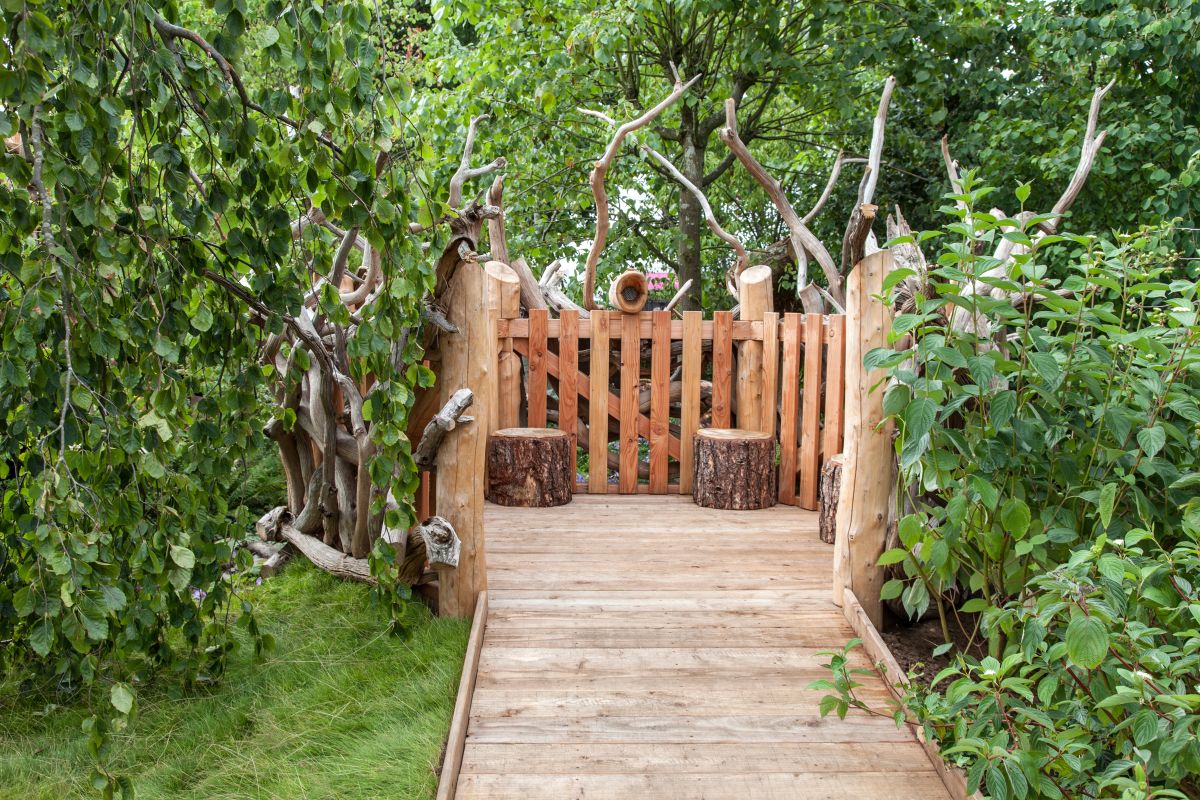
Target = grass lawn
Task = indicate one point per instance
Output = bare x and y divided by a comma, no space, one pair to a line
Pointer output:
338,709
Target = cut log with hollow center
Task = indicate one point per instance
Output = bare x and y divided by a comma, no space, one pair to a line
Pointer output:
629,292
529,467
734,469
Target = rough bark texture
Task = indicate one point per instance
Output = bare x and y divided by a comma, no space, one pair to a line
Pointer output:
828,492
529,467
691,217
734,469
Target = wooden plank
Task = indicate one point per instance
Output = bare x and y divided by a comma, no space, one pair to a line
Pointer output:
631,365
660,377
743,330
835,385
456,741
504,297
598,405
810,429
568,380
728,786
770,378
722,369
868,471
789,408
689,419
755,298
468,360
538,318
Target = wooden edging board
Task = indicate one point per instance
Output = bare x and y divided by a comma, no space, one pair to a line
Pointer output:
877,650
457,739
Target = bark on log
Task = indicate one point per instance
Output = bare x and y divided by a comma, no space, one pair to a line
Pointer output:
442,423
734,469
529,467
828,492
276,525
435,541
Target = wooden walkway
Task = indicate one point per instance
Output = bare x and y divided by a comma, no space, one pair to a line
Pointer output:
639,647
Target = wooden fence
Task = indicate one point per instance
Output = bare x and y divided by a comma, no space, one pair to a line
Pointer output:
634,410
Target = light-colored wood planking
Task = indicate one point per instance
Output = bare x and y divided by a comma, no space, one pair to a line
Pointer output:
660,377
722,369
598,405
835,385
455,742
770,379
789,408
810,421
741,330
631,364
568,380
627,655
689,410
537,367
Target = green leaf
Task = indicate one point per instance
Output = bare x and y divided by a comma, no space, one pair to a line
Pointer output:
1108,499
152,467
893,556
918,417
1014,516
892,589
182,556
122,697
268,36
1087,641
41,637
1152,440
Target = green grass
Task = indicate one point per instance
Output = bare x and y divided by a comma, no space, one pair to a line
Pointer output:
339,709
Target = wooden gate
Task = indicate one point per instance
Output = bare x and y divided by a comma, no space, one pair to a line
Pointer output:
633,410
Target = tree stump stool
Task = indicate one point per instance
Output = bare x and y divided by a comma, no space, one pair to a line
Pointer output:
734,469
529,467
829,489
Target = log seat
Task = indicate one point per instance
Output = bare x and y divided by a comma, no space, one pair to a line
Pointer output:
529,467
734,469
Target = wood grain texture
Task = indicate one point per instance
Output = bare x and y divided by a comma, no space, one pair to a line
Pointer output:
631,366
664,673
755,298
835,386
722,369
660,378
770,380
789,407
568,382
537,367
689,419
809,465
456,741
598,406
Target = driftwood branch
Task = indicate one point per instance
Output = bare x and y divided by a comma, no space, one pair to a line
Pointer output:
1092,142
679,295
600,171
875,154
442,423
276,525
497,237
828,192
465,171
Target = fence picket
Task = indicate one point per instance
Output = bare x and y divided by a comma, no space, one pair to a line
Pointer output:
537,367
835,385
689,410
631,365
598,406
789,408
568,380
770,381
810,425
722,369
660,399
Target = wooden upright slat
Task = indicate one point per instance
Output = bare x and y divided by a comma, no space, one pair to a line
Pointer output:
789,408
835,385
631,364
770,381
810,431
689,412
568,379
660,399
537,367
598,406
743,329
722,378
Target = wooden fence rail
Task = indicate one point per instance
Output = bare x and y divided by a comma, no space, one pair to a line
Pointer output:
632,389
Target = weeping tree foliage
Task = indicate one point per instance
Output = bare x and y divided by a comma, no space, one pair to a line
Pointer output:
148,191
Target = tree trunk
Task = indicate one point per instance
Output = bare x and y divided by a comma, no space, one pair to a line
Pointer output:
691,217
529,467
828,492
735,469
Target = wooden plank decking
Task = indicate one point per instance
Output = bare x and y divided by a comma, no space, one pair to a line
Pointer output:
640,647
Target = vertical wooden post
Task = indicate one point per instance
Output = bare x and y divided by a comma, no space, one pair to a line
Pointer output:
660,378
770,384
568,382
539,320
689,407
789,408
868,472
722,369
598,405
504,297
835,387
810,422
469,360
756,298
631,370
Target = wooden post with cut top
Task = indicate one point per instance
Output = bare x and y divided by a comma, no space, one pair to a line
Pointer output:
868,472
756,298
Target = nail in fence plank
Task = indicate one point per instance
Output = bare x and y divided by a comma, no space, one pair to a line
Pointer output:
537,367
631,365
810,431
598,406
835,385
689,411
789,411
660,399
722,378
770,381
568,380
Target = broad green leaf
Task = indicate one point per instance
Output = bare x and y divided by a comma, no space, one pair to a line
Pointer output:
1087,641
122,697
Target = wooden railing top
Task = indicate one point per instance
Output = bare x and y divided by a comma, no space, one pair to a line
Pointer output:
743,330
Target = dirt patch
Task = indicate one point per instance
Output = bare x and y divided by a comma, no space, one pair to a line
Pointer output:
913,644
